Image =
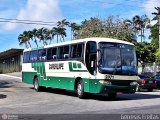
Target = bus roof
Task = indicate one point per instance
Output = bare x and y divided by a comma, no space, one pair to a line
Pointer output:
96,39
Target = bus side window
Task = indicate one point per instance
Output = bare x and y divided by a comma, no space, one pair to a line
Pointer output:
49,54
34,56
54,53
60,53
76,51
73,51
79,50
42,55
64,52
26,57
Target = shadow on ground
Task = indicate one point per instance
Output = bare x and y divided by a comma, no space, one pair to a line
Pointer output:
2,96
103,97
6,84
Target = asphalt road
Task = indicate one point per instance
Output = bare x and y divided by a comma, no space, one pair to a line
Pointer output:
20,98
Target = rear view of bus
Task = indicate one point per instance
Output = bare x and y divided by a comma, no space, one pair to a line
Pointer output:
91,65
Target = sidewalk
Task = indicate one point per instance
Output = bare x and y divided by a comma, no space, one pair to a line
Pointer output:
16,74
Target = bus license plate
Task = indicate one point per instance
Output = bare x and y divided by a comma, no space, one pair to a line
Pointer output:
150,81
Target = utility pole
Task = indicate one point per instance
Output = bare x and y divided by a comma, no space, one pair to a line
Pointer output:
158,15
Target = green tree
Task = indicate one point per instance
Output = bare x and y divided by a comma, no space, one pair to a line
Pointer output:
63,23
74,28
23,40
27,37
41,36
35,35
112,27
141,23
145,52
154,29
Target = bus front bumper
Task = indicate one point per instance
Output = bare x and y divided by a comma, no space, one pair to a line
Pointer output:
118,89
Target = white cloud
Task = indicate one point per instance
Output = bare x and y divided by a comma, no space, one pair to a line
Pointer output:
149,6
37,10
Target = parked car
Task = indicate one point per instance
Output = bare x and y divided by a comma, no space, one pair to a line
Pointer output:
146,81
157,77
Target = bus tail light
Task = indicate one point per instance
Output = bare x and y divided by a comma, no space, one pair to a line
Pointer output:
143,81
105,82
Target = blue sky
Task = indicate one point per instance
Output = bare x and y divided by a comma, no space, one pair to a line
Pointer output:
72,10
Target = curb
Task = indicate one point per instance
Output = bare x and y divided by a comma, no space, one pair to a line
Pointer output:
10,76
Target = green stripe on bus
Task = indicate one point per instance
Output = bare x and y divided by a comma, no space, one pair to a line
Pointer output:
72,65
40,68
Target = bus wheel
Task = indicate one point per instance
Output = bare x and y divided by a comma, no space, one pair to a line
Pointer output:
36,85
112,95
137,88
80,89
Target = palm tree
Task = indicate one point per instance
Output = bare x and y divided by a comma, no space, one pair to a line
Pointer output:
47,36
27,37
141,23
34,33
52,34
74,27
56,31
132,25
23,40
60,29
62,23
60,32
40,35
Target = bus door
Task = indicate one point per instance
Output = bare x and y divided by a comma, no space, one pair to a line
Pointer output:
91,57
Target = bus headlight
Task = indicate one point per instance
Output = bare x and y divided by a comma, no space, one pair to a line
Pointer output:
133,83
105,82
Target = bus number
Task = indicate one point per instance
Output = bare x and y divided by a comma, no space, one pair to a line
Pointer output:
109,77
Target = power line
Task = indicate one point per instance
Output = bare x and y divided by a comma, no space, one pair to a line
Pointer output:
26,20
23,22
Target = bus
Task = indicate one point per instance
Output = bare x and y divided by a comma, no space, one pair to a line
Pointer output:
90,65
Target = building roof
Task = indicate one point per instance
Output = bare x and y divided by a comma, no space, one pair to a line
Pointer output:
10,52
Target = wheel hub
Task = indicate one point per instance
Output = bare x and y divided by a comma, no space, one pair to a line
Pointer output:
79,89
36,85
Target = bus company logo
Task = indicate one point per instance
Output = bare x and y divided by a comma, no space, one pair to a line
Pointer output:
4,116
58,66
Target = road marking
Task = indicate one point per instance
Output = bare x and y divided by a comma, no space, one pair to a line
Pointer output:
7,89
11,76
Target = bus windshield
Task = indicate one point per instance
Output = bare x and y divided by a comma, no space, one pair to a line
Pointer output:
117,59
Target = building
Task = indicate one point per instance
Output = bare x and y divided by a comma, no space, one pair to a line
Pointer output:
11,60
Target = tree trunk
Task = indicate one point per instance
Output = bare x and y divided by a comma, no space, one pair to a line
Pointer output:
36,42
141,35
29,44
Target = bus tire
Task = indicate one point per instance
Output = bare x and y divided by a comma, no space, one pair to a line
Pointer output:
36,85
137,88
80,89
112,95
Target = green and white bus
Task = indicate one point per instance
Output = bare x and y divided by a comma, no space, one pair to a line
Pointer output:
91,65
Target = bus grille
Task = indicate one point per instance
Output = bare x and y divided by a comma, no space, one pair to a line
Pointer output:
121,82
